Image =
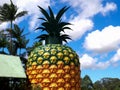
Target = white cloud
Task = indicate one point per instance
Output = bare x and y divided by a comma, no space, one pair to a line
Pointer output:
89,8
79,27
33,22
86,9
88,62
3,25
116,58
31,5
108,7
4,1
33,10
103,65
105,40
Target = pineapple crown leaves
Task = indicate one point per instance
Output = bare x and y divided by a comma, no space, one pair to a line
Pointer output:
42,37
51,23
62,37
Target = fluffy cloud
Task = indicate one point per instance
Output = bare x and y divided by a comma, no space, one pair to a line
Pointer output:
88,62
79,27
33,10
105,40
4,1
103,65
116,58
86,8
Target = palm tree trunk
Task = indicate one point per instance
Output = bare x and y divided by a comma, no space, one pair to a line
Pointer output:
11,46
20,51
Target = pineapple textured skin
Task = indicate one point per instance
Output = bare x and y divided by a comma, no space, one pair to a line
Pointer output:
54,67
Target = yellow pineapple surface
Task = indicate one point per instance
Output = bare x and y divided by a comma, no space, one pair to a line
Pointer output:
54,67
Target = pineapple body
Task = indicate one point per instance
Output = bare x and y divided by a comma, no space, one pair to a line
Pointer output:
54,67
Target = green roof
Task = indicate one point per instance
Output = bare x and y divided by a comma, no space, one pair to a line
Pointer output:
11,66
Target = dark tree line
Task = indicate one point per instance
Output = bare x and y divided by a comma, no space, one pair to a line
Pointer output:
103,84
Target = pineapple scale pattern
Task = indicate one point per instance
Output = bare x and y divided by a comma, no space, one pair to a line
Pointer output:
54,67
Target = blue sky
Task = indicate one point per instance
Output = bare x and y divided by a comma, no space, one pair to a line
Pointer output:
95,34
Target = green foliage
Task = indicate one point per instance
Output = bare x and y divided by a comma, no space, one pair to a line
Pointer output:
3,40
87,83
8,12
107,84
19,40
103,84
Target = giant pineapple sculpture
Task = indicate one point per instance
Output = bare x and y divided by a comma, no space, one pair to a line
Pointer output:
54,66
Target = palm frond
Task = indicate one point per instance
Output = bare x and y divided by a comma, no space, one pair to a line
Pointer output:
4,12
20,14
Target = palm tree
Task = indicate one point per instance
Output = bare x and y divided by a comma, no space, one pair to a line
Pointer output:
19,38
8,12
53,26
3,41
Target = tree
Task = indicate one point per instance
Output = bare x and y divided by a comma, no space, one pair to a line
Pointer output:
107,84
3,41
87,83
8,12
19,38
98,85
53,26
